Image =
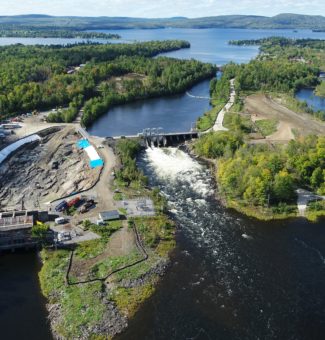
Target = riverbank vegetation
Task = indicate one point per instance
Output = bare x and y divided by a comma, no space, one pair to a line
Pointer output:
100,309
96,76
261,179
219,94
320,89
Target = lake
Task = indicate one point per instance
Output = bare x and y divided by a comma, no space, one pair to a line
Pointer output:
207,45
220,285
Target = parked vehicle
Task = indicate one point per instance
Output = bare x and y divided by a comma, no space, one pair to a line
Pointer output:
73,202
61,206
87,205
64,236
61,220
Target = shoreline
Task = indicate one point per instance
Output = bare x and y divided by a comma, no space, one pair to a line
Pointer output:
109,301
259,213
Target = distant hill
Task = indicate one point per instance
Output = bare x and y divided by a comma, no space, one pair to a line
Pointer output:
287,20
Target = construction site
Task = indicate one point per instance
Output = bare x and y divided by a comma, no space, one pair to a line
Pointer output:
59,175
36,170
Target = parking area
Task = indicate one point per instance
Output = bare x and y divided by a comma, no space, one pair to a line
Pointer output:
69,234
138,207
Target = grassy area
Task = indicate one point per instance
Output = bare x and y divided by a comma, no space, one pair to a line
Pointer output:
118,196
81,305
267,126
315,210
90,249
237,122
138,270
103,268
128,299
155,230
263,213
206,121
105,231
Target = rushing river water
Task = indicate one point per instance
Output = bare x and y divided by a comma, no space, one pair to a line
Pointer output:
231,277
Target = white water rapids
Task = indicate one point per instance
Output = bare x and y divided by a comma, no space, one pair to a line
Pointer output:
174,165
245,276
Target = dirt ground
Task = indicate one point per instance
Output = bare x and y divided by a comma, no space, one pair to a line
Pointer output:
260,106
121,243
31,175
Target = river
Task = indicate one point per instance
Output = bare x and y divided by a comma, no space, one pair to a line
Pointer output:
22,308
230,277
178,113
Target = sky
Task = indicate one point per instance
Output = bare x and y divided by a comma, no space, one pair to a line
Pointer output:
161,8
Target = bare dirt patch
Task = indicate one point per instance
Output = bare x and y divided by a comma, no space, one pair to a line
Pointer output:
119,83
260,106
41,172
121,243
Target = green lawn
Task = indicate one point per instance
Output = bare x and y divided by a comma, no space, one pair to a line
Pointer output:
206,121
267,126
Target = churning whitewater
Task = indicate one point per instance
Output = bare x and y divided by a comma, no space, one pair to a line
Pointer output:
231,276
189,189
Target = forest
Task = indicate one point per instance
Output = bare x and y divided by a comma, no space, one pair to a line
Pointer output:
65,34
38,77
270,42
261,179
261,175
284,20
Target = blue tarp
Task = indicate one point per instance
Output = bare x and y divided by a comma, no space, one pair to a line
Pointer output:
83,143
96,163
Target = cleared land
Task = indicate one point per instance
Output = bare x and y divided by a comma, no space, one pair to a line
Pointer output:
260,106
39,173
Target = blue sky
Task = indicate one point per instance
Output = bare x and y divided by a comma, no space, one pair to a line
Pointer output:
161,8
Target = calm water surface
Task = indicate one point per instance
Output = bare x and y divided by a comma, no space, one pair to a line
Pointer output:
22,307
178,113
230,277
313,101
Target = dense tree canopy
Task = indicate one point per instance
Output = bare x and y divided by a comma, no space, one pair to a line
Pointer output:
36,77
260,175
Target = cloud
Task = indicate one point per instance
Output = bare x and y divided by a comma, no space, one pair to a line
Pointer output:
161,8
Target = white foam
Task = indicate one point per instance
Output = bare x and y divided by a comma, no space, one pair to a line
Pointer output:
174,164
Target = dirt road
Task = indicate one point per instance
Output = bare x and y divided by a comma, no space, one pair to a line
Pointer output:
262,107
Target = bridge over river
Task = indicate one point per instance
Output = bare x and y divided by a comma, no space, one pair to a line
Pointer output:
157,137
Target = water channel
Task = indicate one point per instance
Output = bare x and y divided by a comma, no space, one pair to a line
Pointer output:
231,277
